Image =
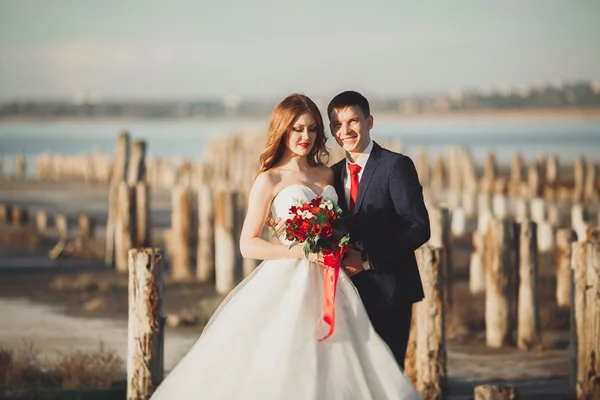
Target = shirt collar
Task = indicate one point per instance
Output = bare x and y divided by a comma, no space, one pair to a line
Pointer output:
363,158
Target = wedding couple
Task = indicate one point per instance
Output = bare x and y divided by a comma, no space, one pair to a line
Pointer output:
263,341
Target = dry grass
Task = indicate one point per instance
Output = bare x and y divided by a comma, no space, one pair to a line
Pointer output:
23,372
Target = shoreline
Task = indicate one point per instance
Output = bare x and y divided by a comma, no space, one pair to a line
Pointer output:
543,114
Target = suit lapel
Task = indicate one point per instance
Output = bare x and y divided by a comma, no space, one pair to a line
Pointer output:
339,173
370,168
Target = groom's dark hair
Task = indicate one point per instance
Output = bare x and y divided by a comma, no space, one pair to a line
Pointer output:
349,98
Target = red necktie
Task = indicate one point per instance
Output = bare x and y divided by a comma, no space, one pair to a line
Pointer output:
354,170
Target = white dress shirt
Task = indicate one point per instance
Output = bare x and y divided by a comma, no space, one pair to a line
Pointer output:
362,161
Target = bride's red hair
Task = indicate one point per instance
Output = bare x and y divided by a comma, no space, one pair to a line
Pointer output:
283,116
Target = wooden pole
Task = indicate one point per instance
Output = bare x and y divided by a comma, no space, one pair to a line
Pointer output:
117,176
431,346
422,166
5,213
181,230
62,225
145,346
205,257
579,176
495,392
497,290
440,238
438,180
136,170
20,167
528,328
41,221
590,191
86,227
18,216
124,225
534,181
410,361
490,172
500,206
586,318
142,209
564,241
477,264
225,251
552,170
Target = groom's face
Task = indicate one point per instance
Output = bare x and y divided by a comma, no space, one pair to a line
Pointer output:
351,128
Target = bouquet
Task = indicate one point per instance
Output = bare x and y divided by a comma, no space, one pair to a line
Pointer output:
319,226
314,224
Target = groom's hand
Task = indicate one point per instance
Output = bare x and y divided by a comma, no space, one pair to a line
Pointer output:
352,263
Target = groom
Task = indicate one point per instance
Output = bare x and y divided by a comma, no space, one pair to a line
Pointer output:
380,192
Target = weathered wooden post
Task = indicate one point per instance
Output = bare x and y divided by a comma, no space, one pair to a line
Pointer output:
495,392
62,225
552,170
117,176
440,238
422,166
5,213
477,264
225,251
586,266
124,225
490,172
181,230
431,345
578,221
534,181
590,192
20,166
86,227
564,241
500,206
136,170
579,176
142,216
41,221
19,216
459,222
205,257
145,346
528,328
438,179
498,318
410,361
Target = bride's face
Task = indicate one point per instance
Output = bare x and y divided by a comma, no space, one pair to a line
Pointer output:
300,137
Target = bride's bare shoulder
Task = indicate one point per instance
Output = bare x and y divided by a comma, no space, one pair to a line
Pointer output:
266,182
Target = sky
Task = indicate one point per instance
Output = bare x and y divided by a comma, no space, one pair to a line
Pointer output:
192,49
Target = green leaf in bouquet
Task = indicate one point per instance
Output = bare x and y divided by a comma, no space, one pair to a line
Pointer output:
345,240
294,244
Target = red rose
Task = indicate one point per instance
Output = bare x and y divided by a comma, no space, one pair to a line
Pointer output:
317,229
327,232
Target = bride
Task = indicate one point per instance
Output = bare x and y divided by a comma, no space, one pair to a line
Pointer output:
263,340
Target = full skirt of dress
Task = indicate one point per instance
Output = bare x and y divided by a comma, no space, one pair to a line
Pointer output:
263,343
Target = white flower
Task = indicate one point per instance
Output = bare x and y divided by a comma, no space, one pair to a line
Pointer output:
307,215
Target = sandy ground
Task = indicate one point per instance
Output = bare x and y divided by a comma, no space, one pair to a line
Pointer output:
57,321
53,332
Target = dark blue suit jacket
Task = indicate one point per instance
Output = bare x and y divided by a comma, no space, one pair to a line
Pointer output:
391,221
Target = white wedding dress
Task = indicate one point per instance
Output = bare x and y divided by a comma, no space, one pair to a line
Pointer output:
262,342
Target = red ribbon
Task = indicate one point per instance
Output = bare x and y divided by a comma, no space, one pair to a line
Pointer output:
332,260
